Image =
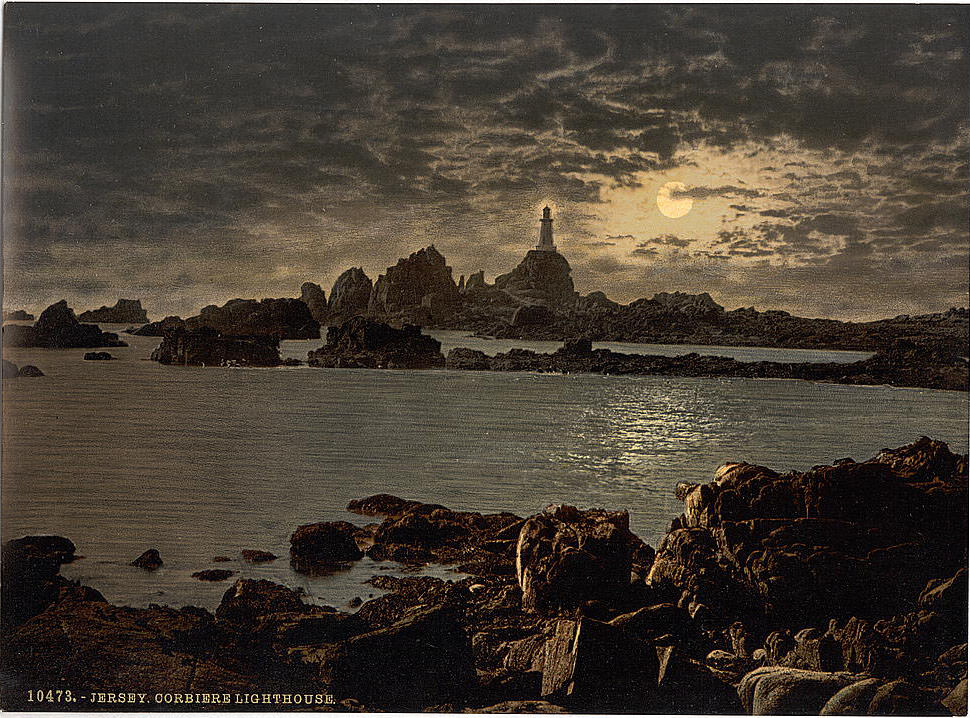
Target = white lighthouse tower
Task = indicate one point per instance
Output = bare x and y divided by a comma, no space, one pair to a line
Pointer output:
545,233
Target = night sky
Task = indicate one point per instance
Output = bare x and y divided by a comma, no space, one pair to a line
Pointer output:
187,154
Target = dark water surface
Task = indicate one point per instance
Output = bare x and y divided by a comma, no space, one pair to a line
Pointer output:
125,455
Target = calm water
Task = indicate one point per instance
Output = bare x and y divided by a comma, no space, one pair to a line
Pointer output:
125,455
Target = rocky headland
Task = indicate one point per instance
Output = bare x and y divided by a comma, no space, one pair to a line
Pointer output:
841,590
125,311
902,364
59,328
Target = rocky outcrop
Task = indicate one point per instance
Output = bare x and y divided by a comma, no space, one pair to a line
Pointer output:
350,295
10,370
467,359
419,286
694,305
158,329
363,343
58,328
18,315
316,300
98,356
125,311
213,574
257,556
29,370
149,560
531,314
279,318
912,367
323,546
207,347
541,278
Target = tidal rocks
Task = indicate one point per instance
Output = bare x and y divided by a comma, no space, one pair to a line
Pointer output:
467,359
29,370
277,318
98,356
257,556
207,347
540,278
531,314
149,560
213,574
566,557
30,580
349,296
125,311
363,343
248,601
324,545
833,542
422,279
158,329
58,328
18,315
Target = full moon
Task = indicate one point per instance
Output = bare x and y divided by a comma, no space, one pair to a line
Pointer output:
670,206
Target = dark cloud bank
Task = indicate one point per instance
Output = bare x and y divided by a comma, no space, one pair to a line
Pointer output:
189,153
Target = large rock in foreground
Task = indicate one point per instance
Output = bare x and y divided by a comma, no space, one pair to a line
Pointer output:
207,347
58,328
363,343
125,311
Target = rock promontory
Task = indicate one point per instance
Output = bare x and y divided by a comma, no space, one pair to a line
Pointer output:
349,296
419,288
125,311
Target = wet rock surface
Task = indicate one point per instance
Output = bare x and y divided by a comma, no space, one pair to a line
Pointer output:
746,606
361,343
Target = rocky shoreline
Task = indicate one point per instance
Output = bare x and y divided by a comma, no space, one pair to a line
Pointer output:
841,590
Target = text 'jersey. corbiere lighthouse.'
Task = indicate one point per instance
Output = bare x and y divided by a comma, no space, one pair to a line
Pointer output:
545,232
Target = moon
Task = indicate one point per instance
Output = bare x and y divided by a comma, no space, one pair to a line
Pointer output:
671,206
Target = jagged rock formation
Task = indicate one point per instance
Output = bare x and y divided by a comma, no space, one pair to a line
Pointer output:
208,347
541,278
125,311
420,286
364,343
58,328
280,318
350,295
18,315
316,300
689,304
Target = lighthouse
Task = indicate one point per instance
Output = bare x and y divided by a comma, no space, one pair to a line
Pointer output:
545,233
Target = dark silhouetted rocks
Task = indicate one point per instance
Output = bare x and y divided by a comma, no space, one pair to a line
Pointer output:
469,359
58,328
540,278
363,343
159,328
279,318
531,314
125,311
18,315
149,560
98,356
349,296
257,556
207,347
323,546
29,370
213,574
419,288
316,300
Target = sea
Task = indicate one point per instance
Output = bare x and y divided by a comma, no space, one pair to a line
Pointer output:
125,455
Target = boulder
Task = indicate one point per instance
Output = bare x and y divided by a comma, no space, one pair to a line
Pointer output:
29,370
149,560
207,347
853,700
257,556
30,581
350,295
316,300
58,328
382,505
125,311
423,659
956,700
276,318
324,545
468,359
247,601
566,557
98,356
160,328
364,343
790,691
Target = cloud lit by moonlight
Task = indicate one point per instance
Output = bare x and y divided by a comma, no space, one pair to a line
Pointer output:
671,206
